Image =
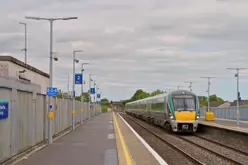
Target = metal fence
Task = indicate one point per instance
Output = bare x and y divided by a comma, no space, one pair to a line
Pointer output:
27,122
228,113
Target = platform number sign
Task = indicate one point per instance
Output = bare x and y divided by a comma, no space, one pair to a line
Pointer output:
52,92
98,96
78,78
92,91
4,109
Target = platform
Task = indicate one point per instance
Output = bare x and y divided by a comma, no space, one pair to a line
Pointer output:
227,124
92,143
104,140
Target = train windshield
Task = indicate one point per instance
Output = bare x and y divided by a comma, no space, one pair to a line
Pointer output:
183,103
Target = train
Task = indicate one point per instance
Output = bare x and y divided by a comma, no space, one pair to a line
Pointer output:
177,111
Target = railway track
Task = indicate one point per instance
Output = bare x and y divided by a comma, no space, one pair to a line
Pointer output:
186,154
183,153
222,145
209,150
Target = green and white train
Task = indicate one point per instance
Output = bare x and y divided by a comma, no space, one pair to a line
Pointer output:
177,111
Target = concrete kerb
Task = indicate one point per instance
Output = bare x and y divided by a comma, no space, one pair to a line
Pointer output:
25,154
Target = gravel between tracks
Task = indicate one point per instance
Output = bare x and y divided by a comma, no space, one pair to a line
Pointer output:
198,153
219,149
171,156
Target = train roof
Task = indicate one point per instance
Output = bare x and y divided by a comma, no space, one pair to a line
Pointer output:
160,97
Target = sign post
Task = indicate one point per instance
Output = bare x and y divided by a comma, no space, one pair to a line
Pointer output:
79,78
52,92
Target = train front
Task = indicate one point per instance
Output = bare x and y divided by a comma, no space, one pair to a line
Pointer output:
184,115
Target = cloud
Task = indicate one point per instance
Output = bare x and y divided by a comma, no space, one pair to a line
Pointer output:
134,44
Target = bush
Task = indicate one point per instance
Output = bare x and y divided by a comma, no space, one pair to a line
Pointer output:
104,108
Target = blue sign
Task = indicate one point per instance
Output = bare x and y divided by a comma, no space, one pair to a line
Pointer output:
92,91
98,96
4,109
78,78
52,92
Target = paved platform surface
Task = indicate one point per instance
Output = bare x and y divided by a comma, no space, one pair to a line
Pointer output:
227,124
92,143
138,152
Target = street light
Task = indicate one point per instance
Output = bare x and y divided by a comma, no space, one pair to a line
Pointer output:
51,20
74,60
190,85
208,90
82,88
25,48
89,91
238,94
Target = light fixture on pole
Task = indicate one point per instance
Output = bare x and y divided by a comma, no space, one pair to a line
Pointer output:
190,85
51,20
238,93
90,93
25,48
73,89
208,90
82,88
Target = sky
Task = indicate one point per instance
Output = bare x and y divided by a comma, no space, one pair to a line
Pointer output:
130,45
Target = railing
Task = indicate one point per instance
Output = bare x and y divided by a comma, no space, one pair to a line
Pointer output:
228,113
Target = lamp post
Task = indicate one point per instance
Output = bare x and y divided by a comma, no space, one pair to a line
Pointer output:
190,85
208,90
51,20
90,93
82,88
94,109
25,48
238,93
73,89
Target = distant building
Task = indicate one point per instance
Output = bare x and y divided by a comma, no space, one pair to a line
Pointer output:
241,103
12,67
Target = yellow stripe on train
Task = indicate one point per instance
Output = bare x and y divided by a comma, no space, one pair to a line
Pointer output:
187,115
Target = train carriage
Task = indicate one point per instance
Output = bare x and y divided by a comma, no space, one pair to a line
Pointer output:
177,111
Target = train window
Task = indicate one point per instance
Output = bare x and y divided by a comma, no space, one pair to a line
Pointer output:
184,104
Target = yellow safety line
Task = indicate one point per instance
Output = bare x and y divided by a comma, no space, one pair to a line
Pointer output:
127,156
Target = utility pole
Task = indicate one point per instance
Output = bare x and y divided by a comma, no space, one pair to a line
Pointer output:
25,49
94,109
208,90
51,20
90,93
68,84
238,93
82,87
178,87
190,85
73,90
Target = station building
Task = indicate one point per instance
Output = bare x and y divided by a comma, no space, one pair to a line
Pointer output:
25,73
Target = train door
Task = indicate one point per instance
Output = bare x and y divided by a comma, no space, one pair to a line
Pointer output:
166,108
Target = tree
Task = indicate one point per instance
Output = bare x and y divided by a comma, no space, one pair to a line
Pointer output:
139,94
157,92
86,97
105,100
212,98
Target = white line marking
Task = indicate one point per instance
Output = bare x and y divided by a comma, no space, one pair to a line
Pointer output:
154,153
111,136
110,127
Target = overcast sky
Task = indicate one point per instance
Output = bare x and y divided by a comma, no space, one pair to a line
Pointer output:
132,44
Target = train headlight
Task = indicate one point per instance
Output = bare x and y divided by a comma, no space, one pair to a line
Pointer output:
197,117
171,117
